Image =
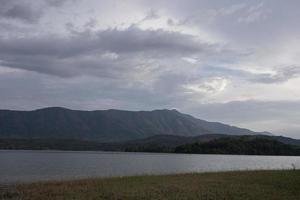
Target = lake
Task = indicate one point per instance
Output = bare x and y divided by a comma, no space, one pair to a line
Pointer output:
29,166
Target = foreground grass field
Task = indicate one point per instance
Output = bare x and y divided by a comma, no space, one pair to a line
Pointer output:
249,185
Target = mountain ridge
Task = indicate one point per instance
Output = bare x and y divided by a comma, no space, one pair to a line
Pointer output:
107,125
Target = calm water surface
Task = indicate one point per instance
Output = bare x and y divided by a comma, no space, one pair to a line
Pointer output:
28,166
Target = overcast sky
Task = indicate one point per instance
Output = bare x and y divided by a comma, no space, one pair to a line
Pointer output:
231,61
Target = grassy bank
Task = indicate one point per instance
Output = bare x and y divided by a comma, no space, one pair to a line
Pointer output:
256,185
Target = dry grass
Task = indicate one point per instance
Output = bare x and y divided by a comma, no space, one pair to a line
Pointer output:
251,185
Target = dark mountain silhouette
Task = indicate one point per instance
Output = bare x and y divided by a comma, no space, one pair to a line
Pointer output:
171,141
106,125
205,144
244,145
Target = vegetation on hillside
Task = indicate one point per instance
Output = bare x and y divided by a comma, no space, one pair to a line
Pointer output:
106,125
240,145
206,144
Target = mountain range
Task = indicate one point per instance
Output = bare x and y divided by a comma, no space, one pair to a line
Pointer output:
107,125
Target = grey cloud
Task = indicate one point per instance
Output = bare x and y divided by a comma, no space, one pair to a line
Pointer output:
163,42
152,14
281,75
19,10
25,10
90,24
28,90
120,41
265,21
76,54
255,13
56,3
248,110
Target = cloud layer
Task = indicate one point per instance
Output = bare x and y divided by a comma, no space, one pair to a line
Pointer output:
232,61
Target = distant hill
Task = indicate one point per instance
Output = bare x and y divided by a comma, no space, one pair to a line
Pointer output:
106,125
157,141
245,145
204,144
167,143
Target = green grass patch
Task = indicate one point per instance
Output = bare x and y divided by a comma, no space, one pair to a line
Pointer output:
248,185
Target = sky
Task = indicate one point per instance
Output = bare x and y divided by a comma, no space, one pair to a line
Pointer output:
232,61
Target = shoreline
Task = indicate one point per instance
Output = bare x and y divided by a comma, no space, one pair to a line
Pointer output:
257,184
135,152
